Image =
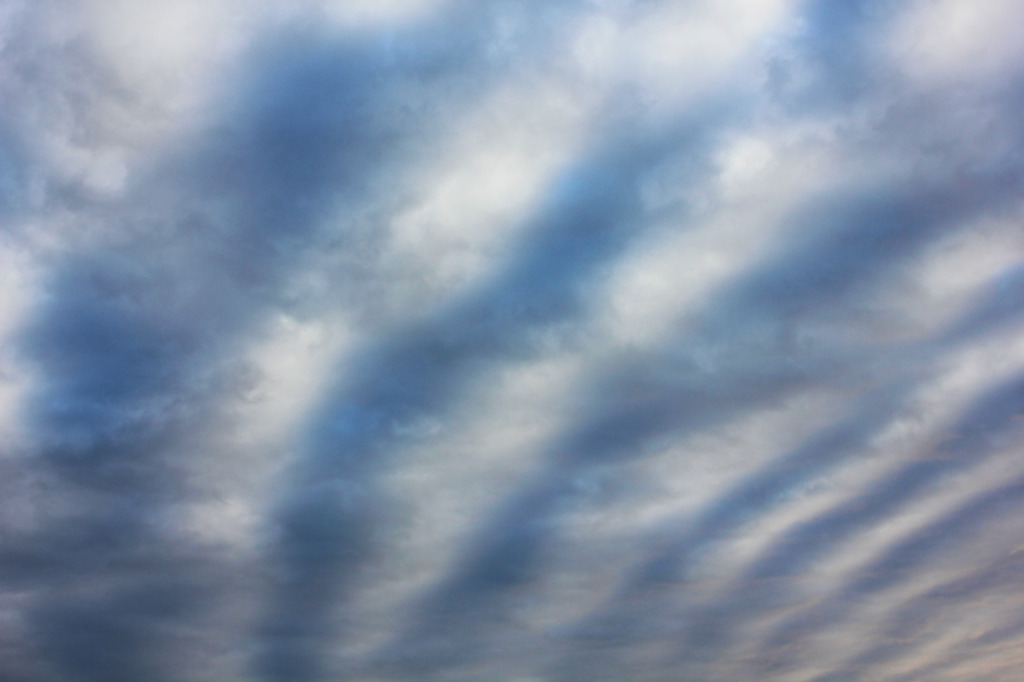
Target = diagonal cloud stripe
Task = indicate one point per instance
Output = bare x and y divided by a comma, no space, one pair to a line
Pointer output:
481,340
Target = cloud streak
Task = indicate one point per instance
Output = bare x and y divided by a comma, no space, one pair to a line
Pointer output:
456,341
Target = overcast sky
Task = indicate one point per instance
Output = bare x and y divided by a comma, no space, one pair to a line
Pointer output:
505,341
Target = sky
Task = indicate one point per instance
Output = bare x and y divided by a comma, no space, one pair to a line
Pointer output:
497,341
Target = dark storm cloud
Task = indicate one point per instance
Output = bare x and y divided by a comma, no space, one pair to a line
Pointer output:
133,334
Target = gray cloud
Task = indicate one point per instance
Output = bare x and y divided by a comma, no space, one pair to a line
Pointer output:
453,340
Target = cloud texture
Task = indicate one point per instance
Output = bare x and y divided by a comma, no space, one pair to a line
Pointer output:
485,340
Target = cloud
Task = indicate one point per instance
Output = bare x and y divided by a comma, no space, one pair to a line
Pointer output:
458,340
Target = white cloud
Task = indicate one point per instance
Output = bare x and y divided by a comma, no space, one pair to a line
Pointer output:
948,40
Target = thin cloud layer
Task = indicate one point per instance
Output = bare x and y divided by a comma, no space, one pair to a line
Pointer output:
450,340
